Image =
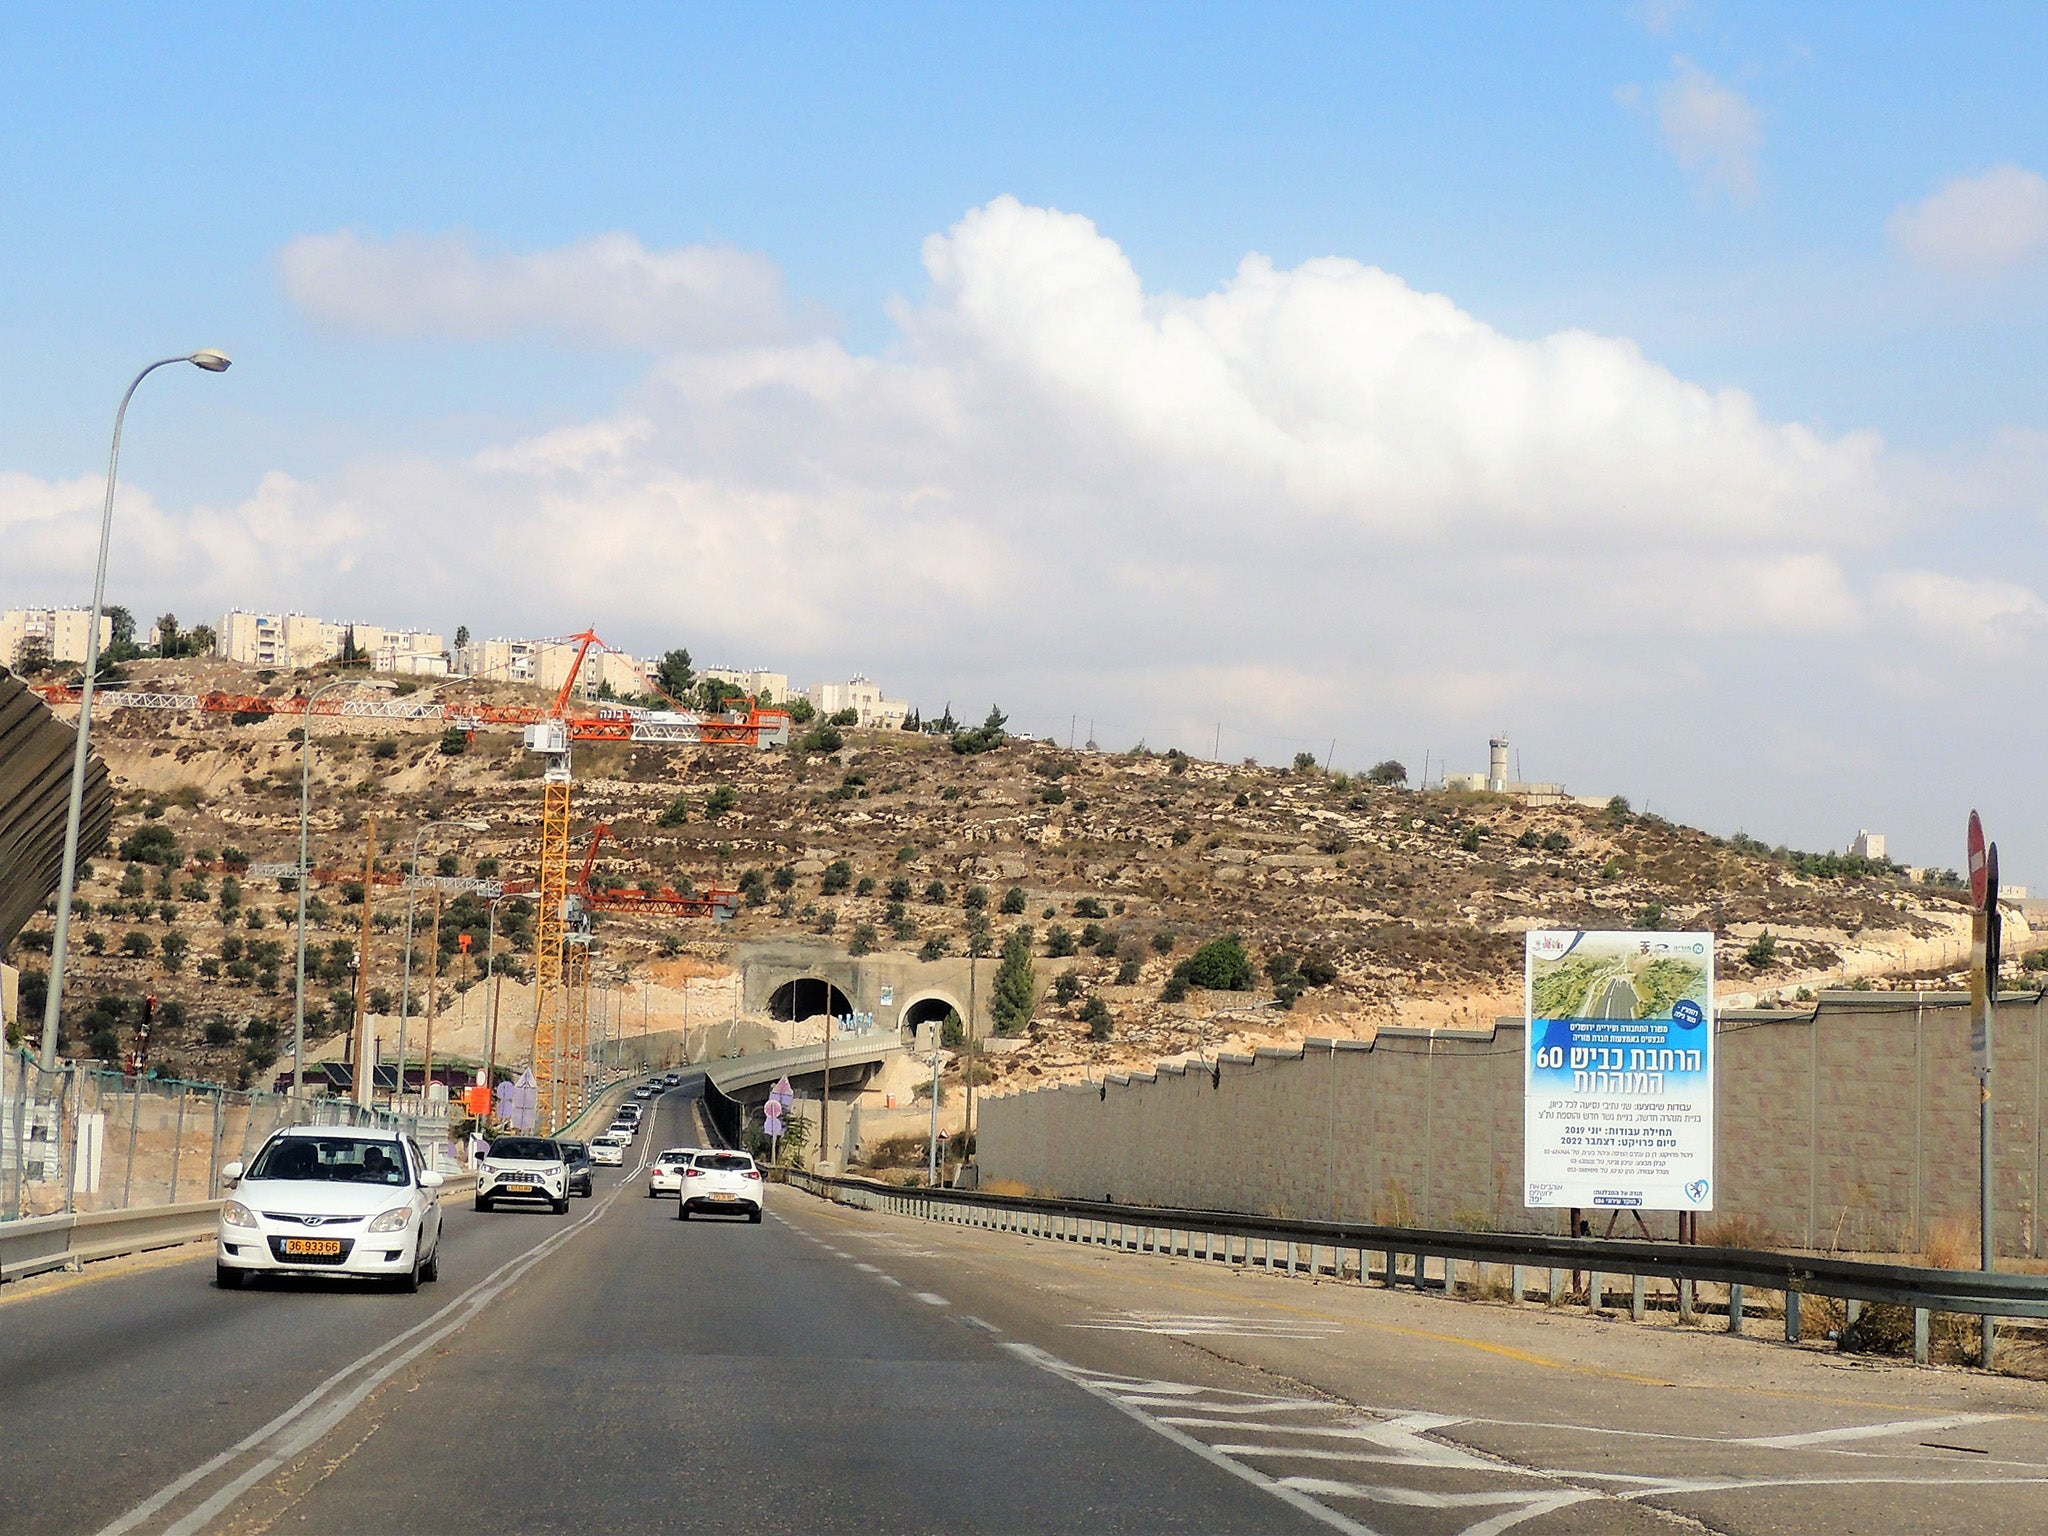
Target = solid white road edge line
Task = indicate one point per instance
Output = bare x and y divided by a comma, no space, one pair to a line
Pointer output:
315,1408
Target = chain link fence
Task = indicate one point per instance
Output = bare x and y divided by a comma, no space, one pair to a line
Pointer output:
81,1138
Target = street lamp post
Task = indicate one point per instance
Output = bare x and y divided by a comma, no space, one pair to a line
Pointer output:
411,898
53,1005
305,878
491,1000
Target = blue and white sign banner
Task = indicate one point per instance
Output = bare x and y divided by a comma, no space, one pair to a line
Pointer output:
1618,1075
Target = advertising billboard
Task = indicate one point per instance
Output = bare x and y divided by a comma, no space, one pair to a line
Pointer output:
1618,1071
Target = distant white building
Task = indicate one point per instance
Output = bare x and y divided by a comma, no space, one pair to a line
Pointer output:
410,653
864,698
60,632
1868,845
546,663
768,687
288,640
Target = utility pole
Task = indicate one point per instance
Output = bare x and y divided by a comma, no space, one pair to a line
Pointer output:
825,1097
1216,751
362,1068
973,1060
433,997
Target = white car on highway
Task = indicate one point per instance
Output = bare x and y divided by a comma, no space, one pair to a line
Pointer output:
332,1200
608,1149
623,1128
726,1182
665,1177
524,1168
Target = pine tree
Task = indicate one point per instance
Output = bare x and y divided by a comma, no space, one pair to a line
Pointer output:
1016,985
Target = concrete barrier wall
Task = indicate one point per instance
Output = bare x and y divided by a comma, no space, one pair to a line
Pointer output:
1853,1127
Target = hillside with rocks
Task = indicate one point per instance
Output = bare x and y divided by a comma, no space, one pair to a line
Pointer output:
1357,904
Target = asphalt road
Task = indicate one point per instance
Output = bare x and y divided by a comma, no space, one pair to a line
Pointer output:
833,1370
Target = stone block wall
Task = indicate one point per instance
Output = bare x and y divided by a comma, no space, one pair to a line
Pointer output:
1851,1128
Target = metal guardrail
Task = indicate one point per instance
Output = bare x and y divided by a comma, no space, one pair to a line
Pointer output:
1323,1248
71,1240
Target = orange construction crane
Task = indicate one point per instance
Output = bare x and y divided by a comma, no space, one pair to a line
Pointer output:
550,738
715,902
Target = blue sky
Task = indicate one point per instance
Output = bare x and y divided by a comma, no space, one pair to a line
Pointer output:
1740,193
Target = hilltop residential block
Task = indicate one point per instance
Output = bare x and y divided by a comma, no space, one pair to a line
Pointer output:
865,699
287,640
59,631
768,687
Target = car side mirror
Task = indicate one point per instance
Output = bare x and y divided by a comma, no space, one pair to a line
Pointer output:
231,1174
432,1180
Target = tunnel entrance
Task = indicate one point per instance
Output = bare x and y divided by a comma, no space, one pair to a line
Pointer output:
806,998
928,1010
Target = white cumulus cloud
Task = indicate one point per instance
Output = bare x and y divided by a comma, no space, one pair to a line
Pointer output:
1713,129
608,290
1977,223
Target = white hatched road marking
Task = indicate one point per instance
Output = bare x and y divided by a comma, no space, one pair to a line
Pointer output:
1273,1428
1869,1431
1209,1325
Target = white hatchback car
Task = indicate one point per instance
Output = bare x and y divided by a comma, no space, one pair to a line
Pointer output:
332,1200
727,1182
665,1177
608,1149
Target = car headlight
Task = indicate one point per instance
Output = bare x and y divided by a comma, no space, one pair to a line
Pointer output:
236,1214
393,1220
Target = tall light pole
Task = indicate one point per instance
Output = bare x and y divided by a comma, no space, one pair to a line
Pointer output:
411,897
305,878
53,1005
491,999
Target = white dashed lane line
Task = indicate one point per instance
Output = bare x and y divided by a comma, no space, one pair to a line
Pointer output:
931,1300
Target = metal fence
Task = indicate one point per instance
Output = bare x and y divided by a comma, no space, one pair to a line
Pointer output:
1592,1272
82,1139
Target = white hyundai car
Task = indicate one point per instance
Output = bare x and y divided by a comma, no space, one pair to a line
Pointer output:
727,1182
332,1200
665,1177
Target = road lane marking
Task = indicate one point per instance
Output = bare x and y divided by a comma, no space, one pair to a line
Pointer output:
931,1300
871,1269
303,1424
1867,1431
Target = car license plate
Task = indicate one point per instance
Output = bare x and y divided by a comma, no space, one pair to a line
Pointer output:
722,1195
312,1247
519,1189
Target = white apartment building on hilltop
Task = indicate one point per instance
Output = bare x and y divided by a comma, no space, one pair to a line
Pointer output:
546,663
61,632
768,687
864,698
288,640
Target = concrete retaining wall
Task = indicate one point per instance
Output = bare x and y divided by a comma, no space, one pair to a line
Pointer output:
1852,1127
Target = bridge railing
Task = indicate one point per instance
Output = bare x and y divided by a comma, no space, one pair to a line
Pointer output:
1617,1274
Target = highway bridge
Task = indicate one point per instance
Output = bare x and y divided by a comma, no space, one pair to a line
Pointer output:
841,1370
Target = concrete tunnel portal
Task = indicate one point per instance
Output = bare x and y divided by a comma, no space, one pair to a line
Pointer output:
808,997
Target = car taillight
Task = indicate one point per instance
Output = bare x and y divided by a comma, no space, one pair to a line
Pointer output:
694,1173
753,1175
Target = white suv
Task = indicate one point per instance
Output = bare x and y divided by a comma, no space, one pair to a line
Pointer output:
721,1181
523,1168
666,1176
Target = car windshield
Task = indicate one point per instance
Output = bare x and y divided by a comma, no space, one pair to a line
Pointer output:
725,1162
673,1157
524,1149
571,1150
335,1159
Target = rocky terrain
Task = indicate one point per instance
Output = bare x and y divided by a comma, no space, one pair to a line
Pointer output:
1358,904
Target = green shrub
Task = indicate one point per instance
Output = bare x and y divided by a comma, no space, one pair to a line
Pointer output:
1221,965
